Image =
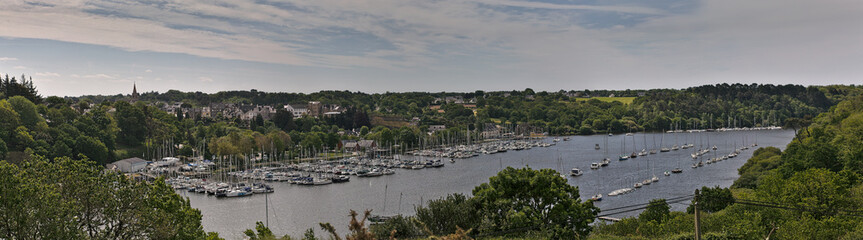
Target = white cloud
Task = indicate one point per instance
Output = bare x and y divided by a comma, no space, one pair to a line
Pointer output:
3,59
47,74
205,79
478,41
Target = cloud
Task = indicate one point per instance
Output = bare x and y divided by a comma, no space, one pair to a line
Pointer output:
460,44
19,67
148,71
3,59
205,79
543,5
47,74
93,76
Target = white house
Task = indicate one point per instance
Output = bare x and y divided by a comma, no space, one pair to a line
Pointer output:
128,165
297,109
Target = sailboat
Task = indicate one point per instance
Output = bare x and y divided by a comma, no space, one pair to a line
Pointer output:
623,156
606,160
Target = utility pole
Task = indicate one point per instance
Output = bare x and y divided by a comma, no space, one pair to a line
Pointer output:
697,217
267,207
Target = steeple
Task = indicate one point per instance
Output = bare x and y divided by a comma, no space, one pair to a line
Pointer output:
134,91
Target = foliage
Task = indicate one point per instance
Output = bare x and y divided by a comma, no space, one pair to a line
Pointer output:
657,210
76,199
712,199
812,190
445,215
398,227
519,198
358,228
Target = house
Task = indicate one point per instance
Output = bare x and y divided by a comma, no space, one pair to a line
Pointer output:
298,109
315,108
128,165
349,146
435,128
367,144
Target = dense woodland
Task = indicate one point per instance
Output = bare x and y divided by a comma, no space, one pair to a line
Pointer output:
817,177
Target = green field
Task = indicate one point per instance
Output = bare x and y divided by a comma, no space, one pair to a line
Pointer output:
624,100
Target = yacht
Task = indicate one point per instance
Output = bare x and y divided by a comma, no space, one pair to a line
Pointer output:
596,198
575,172
594,166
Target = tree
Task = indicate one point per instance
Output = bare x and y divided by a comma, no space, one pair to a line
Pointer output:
284,120
3,149
78,199
443,216
92,149
9,120
27,111
657,210
712,199
518,198
132,123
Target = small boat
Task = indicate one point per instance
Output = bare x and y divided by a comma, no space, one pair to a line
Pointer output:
652,151
594,166
609,134
676,170
623,158
452,160
633,155
628,134
596,147
637,185
575,172
605,162
656,179
667,173
646,182
596,198
566,139
714,147
664,150
341,179
556,140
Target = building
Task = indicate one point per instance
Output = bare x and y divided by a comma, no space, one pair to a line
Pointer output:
135,92
435,128
297,109
315,108
128,165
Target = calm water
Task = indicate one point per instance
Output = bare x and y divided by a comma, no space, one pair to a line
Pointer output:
293,209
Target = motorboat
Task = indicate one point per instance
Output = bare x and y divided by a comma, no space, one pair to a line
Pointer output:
575,172
594,166
596,198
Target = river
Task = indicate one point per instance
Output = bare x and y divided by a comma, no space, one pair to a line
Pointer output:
293,208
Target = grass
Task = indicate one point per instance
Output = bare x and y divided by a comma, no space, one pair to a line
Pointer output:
624,100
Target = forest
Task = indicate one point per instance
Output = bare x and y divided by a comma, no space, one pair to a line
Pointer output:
811,190
109,128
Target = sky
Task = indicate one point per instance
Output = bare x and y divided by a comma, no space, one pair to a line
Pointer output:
74,47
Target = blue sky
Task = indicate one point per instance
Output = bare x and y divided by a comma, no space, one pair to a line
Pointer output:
74,47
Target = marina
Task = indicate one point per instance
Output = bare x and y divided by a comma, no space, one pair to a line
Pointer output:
293,208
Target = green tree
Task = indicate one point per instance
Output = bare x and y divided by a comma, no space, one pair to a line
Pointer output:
518,198
92,149
712,199
30,118
443,216
657,210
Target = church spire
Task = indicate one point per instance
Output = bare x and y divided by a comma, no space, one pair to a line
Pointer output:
134,91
